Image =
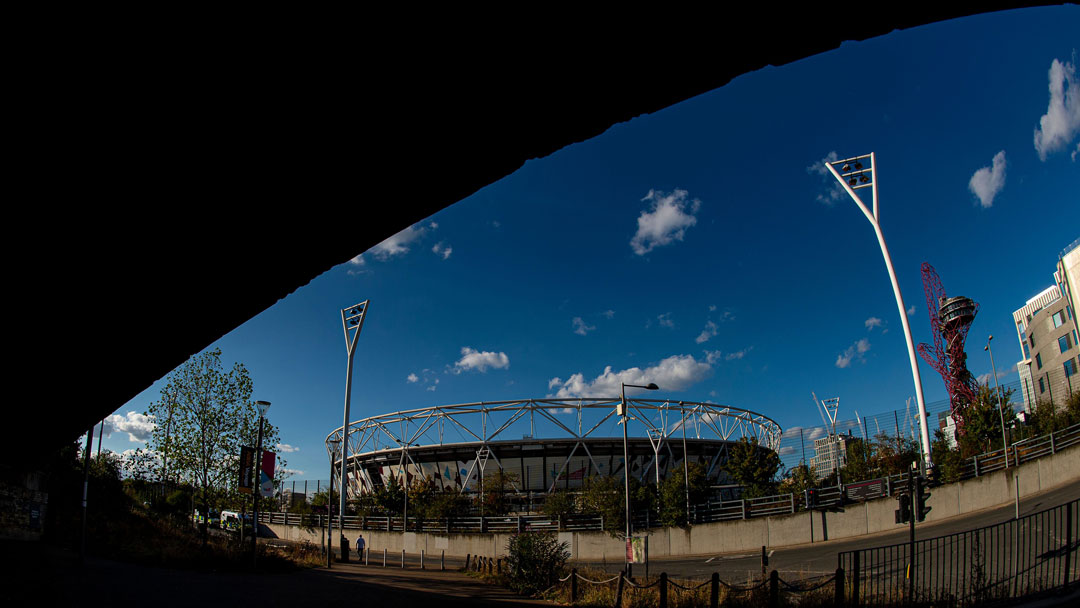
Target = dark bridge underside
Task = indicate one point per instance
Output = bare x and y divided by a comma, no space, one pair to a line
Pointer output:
183,190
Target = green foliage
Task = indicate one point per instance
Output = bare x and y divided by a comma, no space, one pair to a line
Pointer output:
982,422
205,414
949,463
861,461
560,503
390,497
672,500
797,480
535,561
1047,416
753,468
495,497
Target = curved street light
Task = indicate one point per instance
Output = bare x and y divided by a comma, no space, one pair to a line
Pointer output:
622,411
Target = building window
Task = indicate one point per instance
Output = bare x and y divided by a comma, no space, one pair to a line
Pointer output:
1070,367
1032,340
1038,360
1042,387
1058,318
1064,343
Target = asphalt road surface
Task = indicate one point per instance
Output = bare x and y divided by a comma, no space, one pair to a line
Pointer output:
819,558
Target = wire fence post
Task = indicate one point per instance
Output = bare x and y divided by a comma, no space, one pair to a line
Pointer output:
619,590
573,586
663,590
384,557
442,560
774,589
838,593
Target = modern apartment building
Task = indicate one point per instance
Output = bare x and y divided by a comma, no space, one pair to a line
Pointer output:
830,454
1046,327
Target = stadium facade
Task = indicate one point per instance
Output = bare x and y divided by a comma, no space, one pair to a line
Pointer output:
544,444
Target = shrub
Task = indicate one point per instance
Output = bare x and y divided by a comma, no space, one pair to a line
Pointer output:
535,561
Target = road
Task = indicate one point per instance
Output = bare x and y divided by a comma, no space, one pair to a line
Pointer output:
816,559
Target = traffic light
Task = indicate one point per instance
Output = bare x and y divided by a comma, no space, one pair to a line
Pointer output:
810,497
921,495
903,514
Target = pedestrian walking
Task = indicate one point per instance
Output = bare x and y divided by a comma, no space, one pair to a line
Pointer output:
360,547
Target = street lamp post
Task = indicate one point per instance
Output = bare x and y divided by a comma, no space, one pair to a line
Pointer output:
1001,408
853,178
352,322
624,413
331,449
405,473
263,406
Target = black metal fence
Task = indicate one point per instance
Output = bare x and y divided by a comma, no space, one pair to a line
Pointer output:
1033,554
721,510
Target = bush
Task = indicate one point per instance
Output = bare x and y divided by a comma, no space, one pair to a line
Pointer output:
535,561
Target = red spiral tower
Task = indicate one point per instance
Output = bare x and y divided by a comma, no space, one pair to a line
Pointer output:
950,320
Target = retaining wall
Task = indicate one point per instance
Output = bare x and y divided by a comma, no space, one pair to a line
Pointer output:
857,519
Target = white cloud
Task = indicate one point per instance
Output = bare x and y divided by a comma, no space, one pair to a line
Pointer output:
855,351
440,250
792,431
665,320
286,472
737,354
610,314
984,378
834,191
480,361
286,448
1062,119
873,322
712,307
816,433
399,243
674,373
709,331
432,387
412,378
669,217
787,450
581,328
911,310
987,182
136,425
713,356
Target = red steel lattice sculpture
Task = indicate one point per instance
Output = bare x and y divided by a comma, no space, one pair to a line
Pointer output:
950,320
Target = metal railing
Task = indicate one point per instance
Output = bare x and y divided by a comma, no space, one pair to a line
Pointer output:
712,511
1033,554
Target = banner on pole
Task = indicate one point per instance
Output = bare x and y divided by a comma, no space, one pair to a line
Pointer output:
266,474
247,467
637,549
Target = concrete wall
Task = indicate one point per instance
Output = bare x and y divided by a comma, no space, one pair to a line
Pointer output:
857,519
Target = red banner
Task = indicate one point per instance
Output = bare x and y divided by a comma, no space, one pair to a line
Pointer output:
266,474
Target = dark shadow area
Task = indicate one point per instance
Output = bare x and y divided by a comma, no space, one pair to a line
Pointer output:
185,184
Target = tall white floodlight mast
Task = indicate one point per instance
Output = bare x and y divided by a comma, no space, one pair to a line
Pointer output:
352,321
853,175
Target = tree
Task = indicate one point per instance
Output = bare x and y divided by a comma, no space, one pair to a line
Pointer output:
798,479
753,467
982,422
560,503
861,461
673,494
205,414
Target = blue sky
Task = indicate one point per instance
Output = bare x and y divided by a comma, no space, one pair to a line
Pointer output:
702,245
